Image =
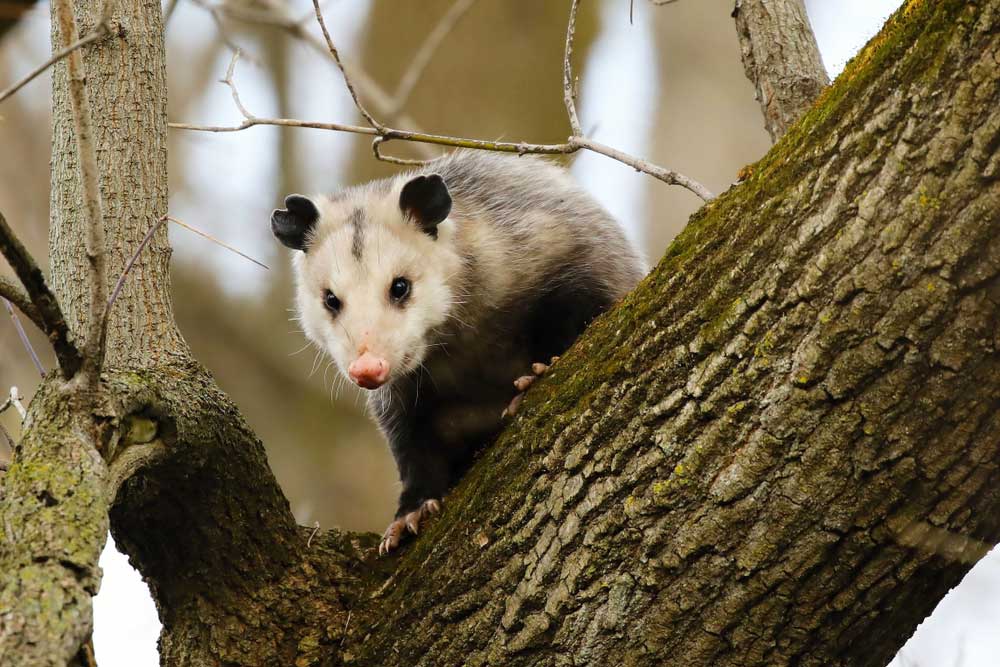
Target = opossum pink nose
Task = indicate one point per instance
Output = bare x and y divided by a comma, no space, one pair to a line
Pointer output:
369,371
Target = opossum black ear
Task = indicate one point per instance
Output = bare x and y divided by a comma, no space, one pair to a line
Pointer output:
291,225
426,200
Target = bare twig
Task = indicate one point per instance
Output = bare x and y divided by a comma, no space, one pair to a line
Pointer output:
276,17
97,34
4,464
24,337
312,534
87,155
217,242
424,54
347,79
667,176
11,292
347,623
52,321
382,133
378,141
569,88
14,399
105,317
220,26
658,3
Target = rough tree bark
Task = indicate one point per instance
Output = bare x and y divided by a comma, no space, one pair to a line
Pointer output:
780,449
781,59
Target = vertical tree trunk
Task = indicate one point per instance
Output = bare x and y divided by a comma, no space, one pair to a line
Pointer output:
127,88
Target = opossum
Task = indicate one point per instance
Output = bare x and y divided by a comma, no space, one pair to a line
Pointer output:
435,289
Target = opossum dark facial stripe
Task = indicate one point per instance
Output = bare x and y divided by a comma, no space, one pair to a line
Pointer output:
358,237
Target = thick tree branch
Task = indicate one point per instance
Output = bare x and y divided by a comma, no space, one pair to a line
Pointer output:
781,59
54,520
49,314
18,297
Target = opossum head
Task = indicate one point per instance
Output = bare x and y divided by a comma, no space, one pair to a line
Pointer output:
375,273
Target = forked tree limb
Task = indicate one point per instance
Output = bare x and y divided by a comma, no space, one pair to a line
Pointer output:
22,300
782,443
48,315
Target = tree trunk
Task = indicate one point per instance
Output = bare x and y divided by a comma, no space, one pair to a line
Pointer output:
784,441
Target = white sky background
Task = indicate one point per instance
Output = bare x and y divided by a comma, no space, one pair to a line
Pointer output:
964,630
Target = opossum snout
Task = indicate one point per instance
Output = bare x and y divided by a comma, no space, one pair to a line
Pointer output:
369,371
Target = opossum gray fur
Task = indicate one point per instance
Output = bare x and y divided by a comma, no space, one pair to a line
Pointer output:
435,289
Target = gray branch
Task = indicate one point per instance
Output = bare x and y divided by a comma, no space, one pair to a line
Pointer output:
781,59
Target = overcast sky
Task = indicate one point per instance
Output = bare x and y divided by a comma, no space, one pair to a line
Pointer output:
965,624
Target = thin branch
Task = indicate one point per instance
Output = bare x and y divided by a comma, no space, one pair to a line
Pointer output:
424,54
658,3
220,26
569,89
14,399
347,79
24,337
52,320
386,133
97,34
217,242
295,27
11,292
106,316
87,155
378,141
667,176
11,445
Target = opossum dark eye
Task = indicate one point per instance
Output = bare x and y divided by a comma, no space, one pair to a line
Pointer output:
399,290
331,302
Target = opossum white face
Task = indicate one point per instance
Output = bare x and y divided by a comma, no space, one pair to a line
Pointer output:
374,275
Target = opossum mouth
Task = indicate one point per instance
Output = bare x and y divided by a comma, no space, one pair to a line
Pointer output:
368,383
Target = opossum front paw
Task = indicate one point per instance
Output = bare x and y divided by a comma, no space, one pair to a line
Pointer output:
409,522
522,383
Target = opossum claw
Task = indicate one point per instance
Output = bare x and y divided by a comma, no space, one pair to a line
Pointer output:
409,522
391,537
522,384
539,369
